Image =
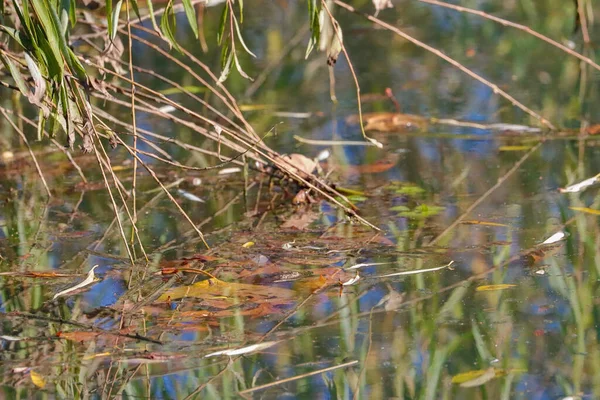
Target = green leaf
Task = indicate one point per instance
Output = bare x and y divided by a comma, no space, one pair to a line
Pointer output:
136,9
167,25
222,24
16,74
64,16
226,69
52,31
239,67
153,18
41,124
239,34
115,20
191,16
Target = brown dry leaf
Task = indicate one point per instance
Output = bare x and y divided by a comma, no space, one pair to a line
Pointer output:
300,220
390,122
231,291
301,163
594,129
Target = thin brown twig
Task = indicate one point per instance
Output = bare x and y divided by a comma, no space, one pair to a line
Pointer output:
451,61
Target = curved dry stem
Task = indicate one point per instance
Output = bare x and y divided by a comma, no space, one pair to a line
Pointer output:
450,60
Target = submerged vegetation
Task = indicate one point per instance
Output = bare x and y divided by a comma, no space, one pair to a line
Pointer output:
318,198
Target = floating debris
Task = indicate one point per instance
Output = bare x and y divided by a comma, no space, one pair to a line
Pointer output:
190,196
418,271
88,280
578,187
557,237
231,170
242,350
352,281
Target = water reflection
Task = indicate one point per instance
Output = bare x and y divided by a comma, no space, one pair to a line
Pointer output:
429,335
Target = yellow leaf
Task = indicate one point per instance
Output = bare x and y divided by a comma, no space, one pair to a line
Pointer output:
235,292
248,244
586,210
486,223
37,379
514,148
487,288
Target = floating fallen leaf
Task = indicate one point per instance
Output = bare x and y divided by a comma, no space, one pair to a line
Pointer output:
190,196
88,280
489,288
242,350
352,281
248,244
475,378
514,148
578,187
558,236
389,122
586,210
417,271
37,379
231,170
231,291
485,223
300,220
301,163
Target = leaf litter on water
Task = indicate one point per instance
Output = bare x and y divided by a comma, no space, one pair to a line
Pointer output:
557,237
586,210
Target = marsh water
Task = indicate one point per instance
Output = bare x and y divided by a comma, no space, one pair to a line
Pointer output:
458,295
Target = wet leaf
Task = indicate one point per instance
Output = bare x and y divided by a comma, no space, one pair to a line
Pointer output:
248,244
489,288
474,378
230,291
300,220
485,223
390,122
586,210
301,163
514,148
88,280
558,236
578,187
243,350
352,281
37,379
190,196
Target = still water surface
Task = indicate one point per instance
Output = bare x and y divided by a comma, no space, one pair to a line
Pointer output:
476,307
